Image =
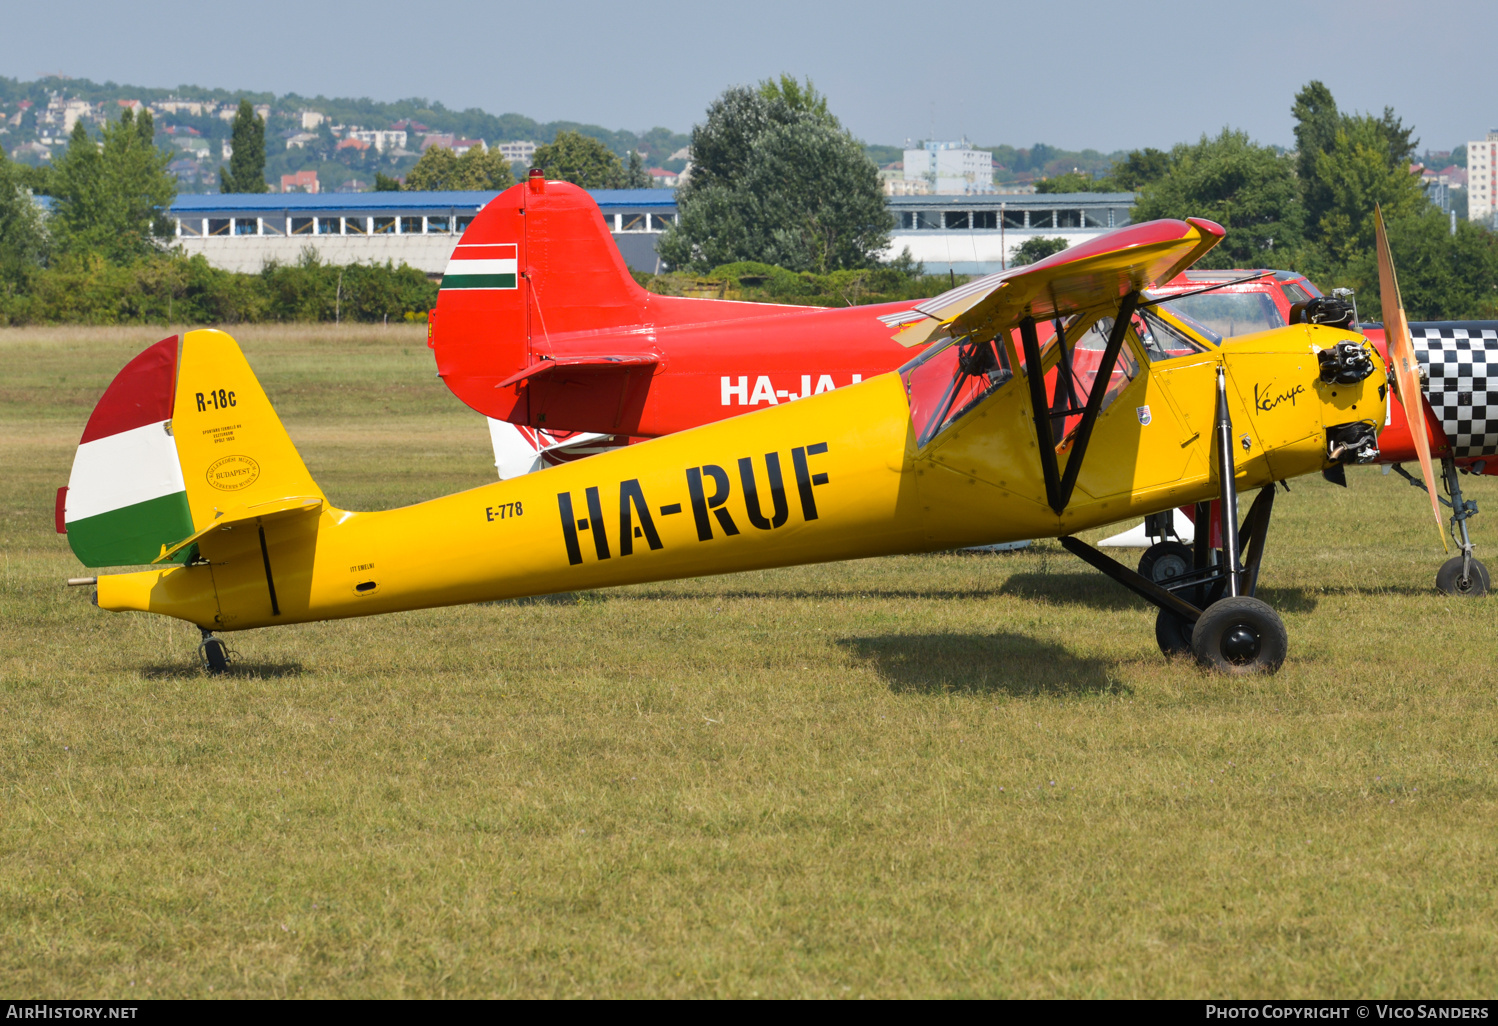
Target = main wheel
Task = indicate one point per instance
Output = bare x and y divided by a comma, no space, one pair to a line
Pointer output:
1450,580
1164,561
1173,633
215,655
1240,636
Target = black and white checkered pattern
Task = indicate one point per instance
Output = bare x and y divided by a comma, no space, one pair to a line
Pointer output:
1460,359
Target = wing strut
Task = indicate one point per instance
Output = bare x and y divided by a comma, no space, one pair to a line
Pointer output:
1040,410
1058,493
1063,403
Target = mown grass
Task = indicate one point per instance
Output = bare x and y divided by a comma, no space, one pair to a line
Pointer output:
932,775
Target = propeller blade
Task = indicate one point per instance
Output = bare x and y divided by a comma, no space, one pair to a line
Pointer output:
1405,365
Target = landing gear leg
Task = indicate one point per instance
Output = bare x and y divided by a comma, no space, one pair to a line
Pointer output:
213,652
1238,634
1461,575
1223,626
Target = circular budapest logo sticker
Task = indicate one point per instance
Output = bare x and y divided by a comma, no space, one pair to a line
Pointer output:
233,473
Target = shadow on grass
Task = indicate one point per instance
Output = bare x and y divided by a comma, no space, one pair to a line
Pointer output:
1098,592
248,670
1010,664
902,594
1076,589
561,598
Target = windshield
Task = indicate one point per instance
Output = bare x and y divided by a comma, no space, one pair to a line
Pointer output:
1162,341
943,384
1222,315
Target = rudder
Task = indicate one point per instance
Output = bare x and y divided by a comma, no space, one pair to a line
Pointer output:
182,435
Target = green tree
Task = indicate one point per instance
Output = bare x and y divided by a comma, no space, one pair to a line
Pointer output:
1249,189
433,170
112,198
385,183
775,178
246,170
1318,127
440,170
1441,276
723,145
1038,248
635,176
1138,169
581,160
23,237
1355,175
1072,181
795,96
816,200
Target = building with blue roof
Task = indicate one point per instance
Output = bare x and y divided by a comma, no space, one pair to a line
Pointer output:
243,231
964,234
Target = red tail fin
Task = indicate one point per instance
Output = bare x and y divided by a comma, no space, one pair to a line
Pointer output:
538,264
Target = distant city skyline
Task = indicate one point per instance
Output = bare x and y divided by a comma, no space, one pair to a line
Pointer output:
1101,75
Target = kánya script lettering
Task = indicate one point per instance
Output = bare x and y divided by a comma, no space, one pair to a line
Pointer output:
1266,399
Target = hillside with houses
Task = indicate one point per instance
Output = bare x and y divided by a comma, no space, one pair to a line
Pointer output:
312,143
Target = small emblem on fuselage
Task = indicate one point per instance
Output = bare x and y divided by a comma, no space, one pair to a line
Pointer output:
1144,414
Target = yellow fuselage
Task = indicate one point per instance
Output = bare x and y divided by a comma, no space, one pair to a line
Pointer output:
853,483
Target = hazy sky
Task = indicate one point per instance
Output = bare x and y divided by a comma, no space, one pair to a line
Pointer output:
1078,74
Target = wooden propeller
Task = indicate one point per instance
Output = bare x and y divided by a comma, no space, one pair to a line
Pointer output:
1405,365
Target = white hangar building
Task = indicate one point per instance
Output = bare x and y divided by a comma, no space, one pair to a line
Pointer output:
972,234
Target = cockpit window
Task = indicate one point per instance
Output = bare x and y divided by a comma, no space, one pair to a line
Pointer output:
1162,341
1087,358
944,383
1225,314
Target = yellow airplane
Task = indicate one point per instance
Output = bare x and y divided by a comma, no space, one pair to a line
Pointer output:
184,464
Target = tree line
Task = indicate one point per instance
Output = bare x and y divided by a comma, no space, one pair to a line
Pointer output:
777,181
103,254
571,157
1312,210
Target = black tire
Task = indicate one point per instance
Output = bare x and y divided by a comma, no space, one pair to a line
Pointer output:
1449,579
215,655
1165,560
1173,633
1240,636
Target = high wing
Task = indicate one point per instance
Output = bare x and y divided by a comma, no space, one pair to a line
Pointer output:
1096,274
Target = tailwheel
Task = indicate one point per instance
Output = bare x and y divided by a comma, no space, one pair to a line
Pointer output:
214,653
1240,636
1469,582
1165,560
1173,633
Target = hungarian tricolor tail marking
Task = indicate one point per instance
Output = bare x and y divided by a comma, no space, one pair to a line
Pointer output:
126,494
494,266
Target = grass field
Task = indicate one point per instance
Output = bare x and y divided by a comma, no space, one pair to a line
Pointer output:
933,775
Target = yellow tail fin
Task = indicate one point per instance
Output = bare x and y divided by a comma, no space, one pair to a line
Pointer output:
232,447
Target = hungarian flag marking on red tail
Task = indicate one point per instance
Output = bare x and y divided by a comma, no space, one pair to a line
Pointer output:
492,266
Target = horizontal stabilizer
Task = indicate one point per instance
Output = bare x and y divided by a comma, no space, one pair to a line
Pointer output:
259,512
546,366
